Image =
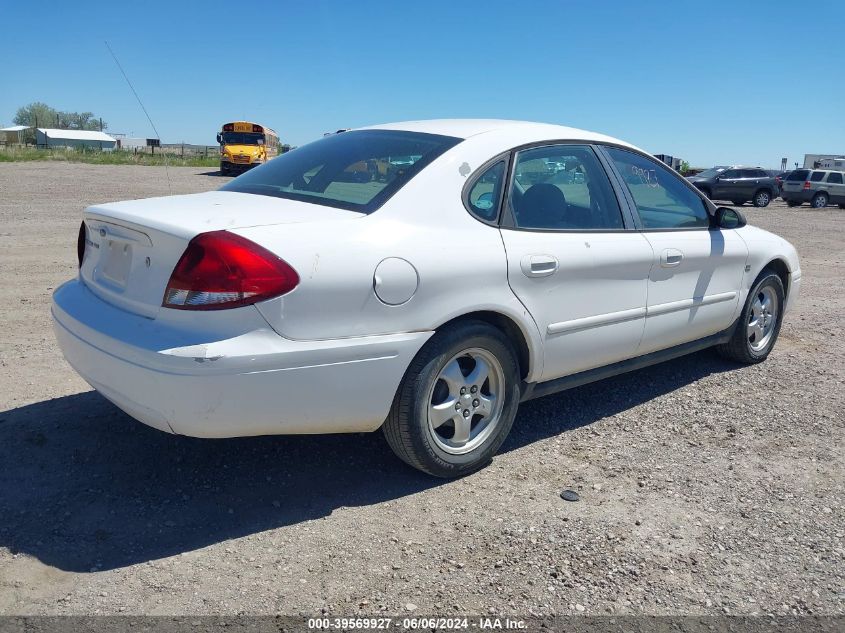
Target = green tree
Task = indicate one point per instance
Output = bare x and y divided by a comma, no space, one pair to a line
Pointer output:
39,114
684,168
36,114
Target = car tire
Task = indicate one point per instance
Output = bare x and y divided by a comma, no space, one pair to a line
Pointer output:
759,324
762,198
842,206
819,201
737,203
444,367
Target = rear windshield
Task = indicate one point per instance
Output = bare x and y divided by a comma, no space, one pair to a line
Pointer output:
357,170
798,174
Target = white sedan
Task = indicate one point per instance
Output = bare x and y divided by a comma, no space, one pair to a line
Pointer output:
421,277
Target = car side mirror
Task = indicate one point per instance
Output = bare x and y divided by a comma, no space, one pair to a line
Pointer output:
729,218
219,138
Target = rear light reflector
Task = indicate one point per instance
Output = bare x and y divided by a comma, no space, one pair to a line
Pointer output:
806,184
220,270
80,243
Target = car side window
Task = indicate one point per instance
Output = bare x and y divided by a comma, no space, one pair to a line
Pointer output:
663,200
563,187
483,197
834,178
817,176
732,173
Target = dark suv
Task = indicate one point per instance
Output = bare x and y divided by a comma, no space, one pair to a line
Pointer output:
737,184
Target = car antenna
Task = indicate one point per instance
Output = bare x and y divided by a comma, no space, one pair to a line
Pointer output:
140,103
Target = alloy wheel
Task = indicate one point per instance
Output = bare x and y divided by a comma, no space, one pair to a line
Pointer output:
762,319
466,401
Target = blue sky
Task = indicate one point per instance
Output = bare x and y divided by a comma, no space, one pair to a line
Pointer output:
712,82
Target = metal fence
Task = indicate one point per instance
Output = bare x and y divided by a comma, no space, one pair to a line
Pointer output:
183,150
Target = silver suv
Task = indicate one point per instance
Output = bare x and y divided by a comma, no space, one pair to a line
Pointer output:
819,187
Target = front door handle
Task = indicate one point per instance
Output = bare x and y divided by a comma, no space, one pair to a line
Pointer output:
671,257
539,265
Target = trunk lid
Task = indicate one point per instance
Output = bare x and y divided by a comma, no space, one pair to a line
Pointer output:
132,247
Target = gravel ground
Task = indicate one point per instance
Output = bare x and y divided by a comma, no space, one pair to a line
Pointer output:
706,488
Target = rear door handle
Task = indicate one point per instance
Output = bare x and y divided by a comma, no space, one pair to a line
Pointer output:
671,257
539,265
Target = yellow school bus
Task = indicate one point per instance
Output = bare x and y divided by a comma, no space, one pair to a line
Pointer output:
244,145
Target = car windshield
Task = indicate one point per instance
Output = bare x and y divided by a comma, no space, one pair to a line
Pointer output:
241,138
713,171
358,170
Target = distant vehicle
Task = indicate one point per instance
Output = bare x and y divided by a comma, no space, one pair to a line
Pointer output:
737,184
819,187
554,166
244,145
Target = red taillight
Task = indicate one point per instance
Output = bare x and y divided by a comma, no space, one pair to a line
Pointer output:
222,270
806,184
229,127
80,243
257,128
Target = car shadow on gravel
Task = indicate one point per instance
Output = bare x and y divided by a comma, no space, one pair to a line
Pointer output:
83,487
572,409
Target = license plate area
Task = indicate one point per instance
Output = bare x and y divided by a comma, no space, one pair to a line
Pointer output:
117,262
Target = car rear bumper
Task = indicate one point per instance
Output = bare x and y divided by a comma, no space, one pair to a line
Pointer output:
256,383
797,196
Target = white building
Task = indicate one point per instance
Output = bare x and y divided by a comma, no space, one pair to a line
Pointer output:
814,161
13,134
47,137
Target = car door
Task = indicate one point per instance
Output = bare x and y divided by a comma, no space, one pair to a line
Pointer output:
574,261
726,184
693,287
836,187
750,182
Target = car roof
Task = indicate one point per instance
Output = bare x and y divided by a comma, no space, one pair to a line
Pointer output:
531,131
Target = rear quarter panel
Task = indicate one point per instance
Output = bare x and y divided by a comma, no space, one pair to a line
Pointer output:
460,262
